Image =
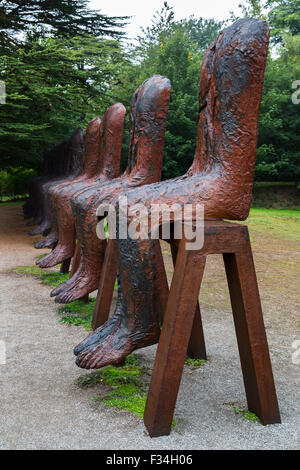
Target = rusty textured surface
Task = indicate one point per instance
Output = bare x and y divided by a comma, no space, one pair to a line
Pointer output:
66,164
220,179
101,166
148,113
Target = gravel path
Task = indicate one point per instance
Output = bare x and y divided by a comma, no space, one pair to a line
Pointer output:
42,408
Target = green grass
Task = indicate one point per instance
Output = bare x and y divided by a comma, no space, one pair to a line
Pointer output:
49,278
54,279
80,313
280,223
246,414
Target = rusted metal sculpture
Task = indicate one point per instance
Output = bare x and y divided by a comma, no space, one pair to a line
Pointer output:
91,143
71,168
101,165
148,113
220,179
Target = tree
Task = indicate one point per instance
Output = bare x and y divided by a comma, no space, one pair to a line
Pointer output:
59,18
58,63
278,153
284,19
253,8
173,49
202,31
53,85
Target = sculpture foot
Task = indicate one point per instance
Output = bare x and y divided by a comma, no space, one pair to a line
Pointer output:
43,227
50,241
112,342
64,285
58,255
82,283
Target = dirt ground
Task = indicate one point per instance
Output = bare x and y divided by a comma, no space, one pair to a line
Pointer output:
41,406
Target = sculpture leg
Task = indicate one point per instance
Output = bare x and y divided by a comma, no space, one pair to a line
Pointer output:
66,239
45,223
135,323
50,241
92,250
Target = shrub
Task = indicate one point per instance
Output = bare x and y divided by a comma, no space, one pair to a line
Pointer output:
13,180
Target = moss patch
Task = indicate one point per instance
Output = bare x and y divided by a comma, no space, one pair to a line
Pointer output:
246,414
128,387
195,363
127,397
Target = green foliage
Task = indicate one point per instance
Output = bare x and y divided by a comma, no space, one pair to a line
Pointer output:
278,152
13,180
60,18
252,8
174,49
246,414
57,60
61,73
284,19
53,85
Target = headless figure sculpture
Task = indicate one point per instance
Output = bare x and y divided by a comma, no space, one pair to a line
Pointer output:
74,164
91,144
149,105
55,164
220,179
30,207
101,165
